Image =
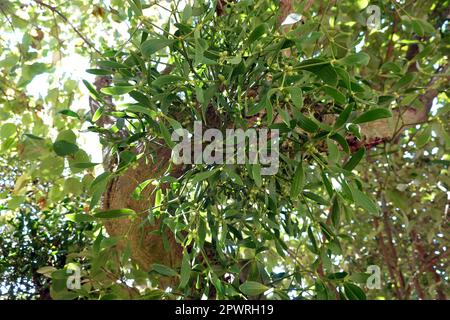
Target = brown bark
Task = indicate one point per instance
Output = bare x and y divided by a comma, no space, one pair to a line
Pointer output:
393,250
387,259
146,246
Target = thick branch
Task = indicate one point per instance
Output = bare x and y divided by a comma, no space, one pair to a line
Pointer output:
388,229
387,259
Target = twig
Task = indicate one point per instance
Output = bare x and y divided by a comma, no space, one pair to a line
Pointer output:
64,18
390,47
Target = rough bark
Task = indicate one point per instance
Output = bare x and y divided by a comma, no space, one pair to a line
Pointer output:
143,237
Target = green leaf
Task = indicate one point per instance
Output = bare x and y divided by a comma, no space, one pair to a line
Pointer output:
166,134
99,72
355,130
100,181
323,69
326,231
268,105
355,159
235,59
321,290
312,239
299,179
84,165
140,97
296,96
373,115
7,130
137,192
140,109
354,292
409,99
151,46
257,33
404,81
29,71
335,212
257,108
305,123
69,113
327,184
252,288
79,217
233,175
64,148
423,137
363,200
284,116
361,4
337,275
108,64
256,174
174,123
115,213
335,94
359,58
97,115
94,94
185,272
342,142
343,117
425,25
136,6
164,270
48,270
333,151
417,27
199,94
316,198
117,90
187,13
203,175
344,76
201,232
166,79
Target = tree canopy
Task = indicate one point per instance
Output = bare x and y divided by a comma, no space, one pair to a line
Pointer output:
92,91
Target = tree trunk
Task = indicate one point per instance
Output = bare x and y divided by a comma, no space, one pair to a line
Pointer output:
146,244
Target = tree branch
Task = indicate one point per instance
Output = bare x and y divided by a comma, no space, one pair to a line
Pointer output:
388,229
64,18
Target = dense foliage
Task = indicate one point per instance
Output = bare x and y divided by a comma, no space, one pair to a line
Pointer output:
33,237
364,138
